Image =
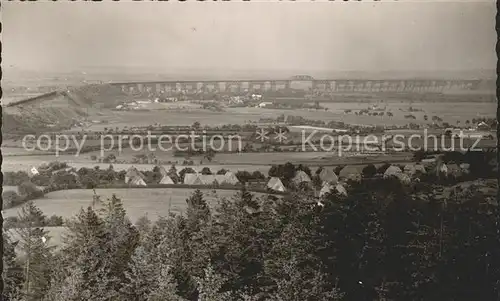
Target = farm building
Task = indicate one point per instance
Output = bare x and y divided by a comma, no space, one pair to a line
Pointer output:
442,168
265,104
192,179
328,176
351,172
133,172
162,170
392,171
207,179
403,178
220,179
412,169
275,184
33,171
231,178
166,180
483,126
301,177
136,181
328,188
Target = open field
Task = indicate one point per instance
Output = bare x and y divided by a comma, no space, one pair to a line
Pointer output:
152,202
19,151
450,112
20,163
233,162
9,188
14,188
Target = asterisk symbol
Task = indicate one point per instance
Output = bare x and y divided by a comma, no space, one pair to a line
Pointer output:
280,136
262,135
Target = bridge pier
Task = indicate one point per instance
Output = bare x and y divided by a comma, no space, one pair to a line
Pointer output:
256,86
233,87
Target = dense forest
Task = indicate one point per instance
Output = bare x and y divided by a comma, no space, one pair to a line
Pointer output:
381,242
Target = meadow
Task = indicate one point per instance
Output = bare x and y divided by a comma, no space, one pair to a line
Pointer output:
150,202
20,163
450,112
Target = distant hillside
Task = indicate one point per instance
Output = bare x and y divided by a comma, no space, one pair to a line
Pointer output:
59,109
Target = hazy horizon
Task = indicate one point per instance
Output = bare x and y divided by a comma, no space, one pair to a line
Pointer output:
233,39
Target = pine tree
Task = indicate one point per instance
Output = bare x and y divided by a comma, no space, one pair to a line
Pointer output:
101,247
71,289
198,210
172,173
84,270
166,288
12,270
294,286
122,237
143,225
36,252
210,286
141,277
246,200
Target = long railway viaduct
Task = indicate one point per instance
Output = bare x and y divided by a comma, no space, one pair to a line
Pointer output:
304,82
326,85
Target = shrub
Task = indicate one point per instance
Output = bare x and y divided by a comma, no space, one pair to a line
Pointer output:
11,199
29,190
55,221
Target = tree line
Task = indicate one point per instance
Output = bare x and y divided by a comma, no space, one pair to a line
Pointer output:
384,241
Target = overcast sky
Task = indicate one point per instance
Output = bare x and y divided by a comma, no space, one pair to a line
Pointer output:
250,36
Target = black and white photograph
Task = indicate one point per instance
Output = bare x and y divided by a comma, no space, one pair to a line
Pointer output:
249,151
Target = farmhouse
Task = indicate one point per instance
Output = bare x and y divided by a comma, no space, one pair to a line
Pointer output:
231,178
207,179
350,172
392,171
329,188
256,97
137,181
328,176
132,172
166,180
33,171
301,177
220,179
192,179
403,178
413,169
440,168
236,100
162,171
265,104
275,184
483,126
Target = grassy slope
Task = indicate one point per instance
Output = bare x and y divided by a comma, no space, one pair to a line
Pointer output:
152,202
